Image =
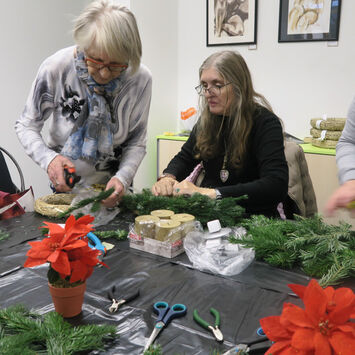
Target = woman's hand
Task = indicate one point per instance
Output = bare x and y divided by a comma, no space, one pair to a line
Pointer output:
188,188
56,173
114,199
164,187
341,197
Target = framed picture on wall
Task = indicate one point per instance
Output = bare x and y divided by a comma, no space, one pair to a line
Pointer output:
309,20
231,22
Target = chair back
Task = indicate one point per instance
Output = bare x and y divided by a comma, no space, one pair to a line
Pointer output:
6,183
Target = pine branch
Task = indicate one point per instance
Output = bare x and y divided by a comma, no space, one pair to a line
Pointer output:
202,207
320,250
48,334
154,350
95,200
118,234
341,269
3,235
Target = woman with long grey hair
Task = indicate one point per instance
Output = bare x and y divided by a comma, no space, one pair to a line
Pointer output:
237,146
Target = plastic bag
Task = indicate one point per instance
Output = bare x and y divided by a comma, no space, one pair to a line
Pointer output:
189,118
102,216
213,252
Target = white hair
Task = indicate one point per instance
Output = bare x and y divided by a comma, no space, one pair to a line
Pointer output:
112,29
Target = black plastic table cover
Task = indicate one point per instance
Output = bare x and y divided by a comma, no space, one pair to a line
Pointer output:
242,300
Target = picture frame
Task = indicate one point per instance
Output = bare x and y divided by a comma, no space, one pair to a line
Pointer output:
231,22
309,20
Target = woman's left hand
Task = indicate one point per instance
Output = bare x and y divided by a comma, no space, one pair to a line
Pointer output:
188,188
114,199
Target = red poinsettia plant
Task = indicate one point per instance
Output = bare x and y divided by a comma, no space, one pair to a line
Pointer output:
66,248
323,327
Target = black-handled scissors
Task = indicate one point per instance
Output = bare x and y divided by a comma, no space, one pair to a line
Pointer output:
165,315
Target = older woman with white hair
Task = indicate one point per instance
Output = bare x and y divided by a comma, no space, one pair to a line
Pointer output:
96,97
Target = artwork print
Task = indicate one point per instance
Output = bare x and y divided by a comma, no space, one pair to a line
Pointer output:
231,22
309,20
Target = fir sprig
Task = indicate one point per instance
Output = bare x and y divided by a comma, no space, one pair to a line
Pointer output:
95,201
154,349
205,209
3,235
118,234
23,332
320,250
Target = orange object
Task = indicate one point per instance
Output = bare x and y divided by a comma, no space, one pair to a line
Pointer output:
188,113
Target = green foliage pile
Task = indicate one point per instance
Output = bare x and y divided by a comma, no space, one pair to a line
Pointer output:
26,333
320,250
205,209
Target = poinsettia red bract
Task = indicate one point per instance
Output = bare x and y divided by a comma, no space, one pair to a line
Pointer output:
66,249
323,327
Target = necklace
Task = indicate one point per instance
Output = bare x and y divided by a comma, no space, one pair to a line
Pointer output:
224,173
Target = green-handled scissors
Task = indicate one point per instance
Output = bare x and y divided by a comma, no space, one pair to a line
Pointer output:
215,330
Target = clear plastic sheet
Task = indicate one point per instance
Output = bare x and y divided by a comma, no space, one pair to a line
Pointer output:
102,216
259,291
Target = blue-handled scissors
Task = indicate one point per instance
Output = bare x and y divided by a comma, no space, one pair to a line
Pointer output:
165,315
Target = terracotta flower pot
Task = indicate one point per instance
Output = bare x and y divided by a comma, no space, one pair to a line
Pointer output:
68,301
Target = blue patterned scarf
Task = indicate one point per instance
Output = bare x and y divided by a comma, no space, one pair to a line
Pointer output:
92,135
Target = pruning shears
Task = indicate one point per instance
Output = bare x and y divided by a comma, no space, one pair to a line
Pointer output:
70,176
244,349
215,330
117,302
95,243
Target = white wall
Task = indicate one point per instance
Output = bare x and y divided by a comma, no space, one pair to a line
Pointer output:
30,31
301,80
158,24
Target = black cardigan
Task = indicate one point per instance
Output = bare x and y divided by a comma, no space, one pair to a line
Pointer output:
263,177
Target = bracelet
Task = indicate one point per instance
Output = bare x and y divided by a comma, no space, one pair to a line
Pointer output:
166,175
218,194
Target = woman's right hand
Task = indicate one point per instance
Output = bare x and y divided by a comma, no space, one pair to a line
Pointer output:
56,173
164,187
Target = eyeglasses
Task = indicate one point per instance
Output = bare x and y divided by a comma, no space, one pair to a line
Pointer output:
113,68
214,90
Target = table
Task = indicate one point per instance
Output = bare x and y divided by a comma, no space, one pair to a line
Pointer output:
242,300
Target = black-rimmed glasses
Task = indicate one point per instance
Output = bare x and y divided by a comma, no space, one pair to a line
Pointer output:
213,90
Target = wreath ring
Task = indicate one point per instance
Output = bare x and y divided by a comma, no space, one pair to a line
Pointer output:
53,205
